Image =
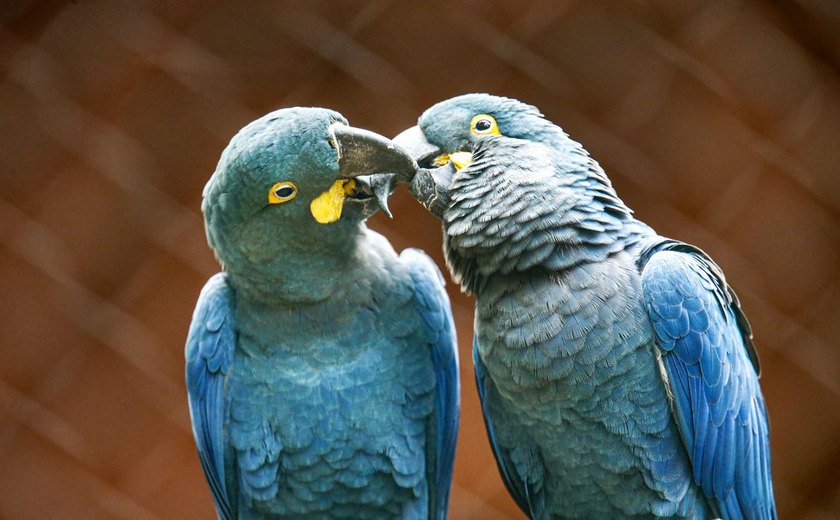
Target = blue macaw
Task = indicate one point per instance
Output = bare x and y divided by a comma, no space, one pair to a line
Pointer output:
322,368
616,369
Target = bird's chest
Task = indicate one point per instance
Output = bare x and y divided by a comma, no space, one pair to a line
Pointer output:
566,336
312,423
574,392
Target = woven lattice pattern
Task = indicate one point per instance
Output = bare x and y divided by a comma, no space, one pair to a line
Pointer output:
719,122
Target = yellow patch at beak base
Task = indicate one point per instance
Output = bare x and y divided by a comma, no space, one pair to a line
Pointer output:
458,159
326,207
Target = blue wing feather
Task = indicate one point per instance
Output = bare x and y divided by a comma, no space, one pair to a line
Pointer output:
209,352
712,372
439,327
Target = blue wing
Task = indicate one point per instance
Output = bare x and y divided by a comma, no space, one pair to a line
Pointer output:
712,372
439,329
210,346
513,482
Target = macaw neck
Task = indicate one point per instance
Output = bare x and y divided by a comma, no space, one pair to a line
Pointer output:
266,322
292,325
302,274
521,207
552,249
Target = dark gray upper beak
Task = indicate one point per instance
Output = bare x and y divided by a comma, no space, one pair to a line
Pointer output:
415,143
362,152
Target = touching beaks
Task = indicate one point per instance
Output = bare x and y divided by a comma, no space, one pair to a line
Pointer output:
430,186
374,161
414,141
362,152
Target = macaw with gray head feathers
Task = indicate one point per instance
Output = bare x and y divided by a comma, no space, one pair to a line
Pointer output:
616,369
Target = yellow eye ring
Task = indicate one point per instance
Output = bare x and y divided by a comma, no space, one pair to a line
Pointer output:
484,124
282,192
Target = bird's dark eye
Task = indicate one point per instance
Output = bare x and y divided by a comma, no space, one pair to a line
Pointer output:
483,124
282,192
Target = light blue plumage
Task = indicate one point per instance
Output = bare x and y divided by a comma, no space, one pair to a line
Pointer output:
321,366
615,367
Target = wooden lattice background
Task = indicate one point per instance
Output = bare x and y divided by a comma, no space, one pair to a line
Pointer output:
718,122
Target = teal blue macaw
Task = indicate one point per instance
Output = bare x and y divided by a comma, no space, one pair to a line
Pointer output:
322,369
616,369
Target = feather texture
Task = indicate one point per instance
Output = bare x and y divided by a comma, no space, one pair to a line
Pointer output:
615,368
210,348
321,366
718,405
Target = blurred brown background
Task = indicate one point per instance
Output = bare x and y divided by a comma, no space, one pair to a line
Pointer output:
718,122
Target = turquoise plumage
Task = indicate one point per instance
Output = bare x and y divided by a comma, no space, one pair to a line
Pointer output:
322,369
615,367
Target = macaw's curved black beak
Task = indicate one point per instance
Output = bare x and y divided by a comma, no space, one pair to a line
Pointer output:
430,186
376,163
362,152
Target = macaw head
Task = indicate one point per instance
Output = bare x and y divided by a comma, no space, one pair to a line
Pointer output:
456,125
513,190
448,133
291,193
